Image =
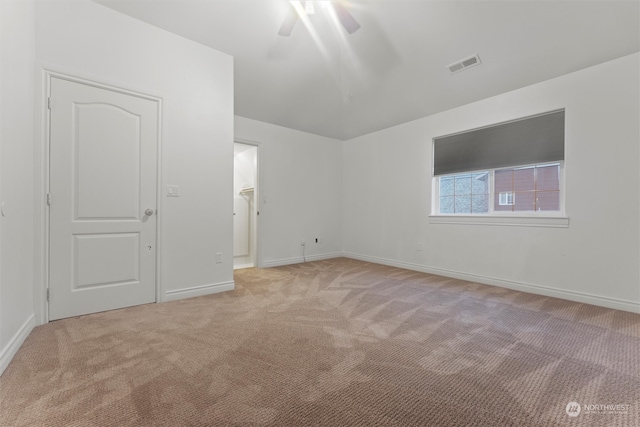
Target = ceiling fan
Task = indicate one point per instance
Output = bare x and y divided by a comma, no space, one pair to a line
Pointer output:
308,8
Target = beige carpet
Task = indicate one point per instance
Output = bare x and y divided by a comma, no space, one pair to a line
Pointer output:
332,343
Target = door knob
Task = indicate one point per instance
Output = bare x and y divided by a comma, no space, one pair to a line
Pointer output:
148,212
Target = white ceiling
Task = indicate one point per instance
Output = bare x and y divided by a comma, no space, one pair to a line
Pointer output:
393,69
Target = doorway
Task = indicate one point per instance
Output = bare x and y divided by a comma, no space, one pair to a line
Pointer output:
245,221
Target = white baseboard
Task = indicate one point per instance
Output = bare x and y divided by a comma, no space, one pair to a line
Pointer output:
582,297
246,265
12,347
197,291
298,260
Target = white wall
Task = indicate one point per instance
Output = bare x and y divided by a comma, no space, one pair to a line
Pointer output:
387,193
16,175
300,175
195,83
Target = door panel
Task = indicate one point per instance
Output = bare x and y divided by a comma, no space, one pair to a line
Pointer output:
240,226
107,136
121,249
103,168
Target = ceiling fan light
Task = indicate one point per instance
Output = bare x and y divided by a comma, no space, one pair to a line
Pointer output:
309,8
290,20
346,19
298,6
301,10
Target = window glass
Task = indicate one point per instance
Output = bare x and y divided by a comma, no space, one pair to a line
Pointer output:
463,204
524,201
480,203
447,204
548,201
463,184
521,189
548,178
480,192
523,179
447,186
504,181
464,193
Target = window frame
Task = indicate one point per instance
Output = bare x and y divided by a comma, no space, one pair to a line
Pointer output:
493,217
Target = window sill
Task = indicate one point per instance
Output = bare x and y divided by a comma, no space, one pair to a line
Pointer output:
512,220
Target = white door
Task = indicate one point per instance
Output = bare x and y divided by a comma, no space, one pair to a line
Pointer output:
102,187
241,226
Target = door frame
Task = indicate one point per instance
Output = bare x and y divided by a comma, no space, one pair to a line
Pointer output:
41,182
256,199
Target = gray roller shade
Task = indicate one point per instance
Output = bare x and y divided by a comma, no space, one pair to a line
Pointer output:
537,139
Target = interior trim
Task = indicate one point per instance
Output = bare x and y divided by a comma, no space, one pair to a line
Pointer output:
14,344
511,220
581,297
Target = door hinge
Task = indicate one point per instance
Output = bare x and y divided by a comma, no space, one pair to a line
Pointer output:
48,199
49,103
48,294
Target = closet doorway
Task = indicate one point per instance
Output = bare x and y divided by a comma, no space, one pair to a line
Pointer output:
245,197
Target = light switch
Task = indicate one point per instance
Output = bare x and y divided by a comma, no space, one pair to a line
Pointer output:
173,191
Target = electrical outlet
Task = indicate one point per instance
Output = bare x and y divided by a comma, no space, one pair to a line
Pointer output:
302,243
218,257
419,246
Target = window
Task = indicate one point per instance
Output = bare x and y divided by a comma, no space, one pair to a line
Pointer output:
511,169
532,188
465,193
506,199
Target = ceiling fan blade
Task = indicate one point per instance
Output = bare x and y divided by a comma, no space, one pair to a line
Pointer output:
346,19
289,22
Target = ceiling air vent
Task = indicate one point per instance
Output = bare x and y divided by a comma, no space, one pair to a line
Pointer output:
463,64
